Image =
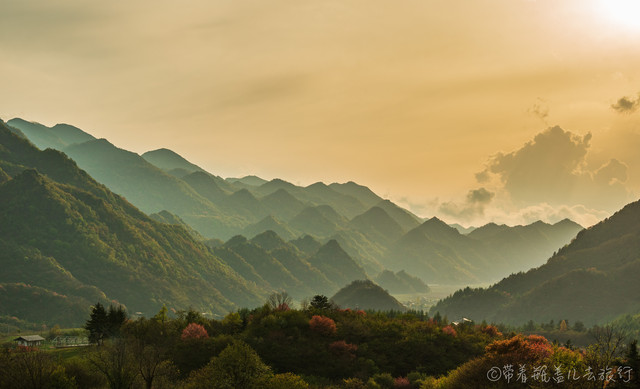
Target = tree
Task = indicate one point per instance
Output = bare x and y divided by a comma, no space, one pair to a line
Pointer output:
320,302
97,325
322,325
115,319
102,325
194,331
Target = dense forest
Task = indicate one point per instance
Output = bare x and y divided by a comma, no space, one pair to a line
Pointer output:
317,346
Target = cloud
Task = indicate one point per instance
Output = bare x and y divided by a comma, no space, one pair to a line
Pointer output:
540,110
626,105
472,208
479,196
552,169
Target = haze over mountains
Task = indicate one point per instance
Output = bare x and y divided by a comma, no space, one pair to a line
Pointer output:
593,279
261,235
375,232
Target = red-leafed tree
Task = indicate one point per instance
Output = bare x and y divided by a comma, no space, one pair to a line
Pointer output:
194,331
322,325
449,330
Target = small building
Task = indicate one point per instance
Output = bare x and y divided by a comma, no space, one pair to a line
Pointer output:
29,340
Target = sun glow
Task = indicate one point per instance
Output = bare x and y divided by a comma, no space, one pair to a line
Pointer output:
624,13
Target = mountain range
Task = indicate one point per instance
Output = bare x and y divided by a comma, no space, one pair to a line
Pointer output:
593,279
237,238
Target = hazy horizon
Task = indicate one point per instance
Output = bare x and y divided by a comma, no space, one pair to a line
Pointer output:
505,111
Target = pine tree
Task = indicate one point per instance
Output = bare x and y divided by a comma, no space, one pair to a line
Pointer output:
98,324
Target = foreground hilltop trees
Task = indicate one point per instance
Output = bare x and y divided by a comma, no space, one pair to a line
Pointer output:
319,346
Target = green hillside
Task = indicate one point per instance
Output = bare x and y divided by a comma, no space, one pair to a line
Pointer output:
69,235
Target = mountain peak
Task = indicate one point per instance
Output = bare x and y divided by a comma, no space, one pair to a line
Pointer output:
166,159
566,222
365,294
268,240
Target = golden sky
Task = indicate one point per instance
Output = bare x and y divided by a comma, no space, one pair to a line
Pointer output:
449,107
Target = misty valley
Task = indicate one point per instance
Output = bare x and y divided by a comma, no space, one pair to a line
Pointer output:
123,270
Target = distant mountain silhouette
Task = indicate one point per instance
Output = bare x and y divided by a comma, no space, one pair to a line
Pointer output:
461,229
359,192
56,137
248,180
167,160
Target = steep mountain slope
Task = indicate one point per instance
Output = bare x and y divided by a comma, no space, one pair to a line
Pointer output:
403,217
67,234
150,188
593,279
294,261
206,186
169,218
365,294
336,264
361,193
320,221
268,267
377,225
282,205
